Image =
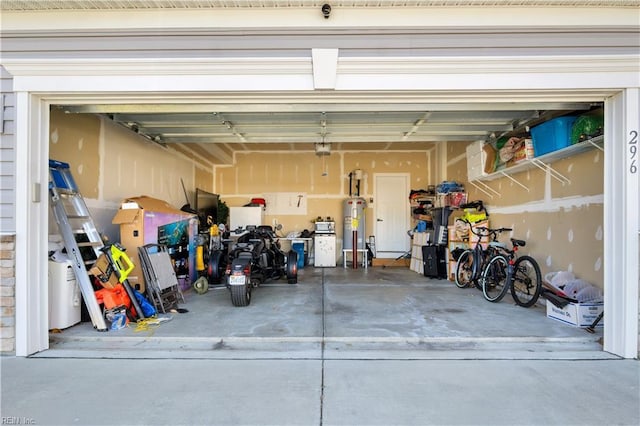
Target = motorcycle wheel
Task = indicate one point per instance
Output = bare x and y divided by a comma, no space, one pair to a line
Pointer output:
292,267
240,295
214,266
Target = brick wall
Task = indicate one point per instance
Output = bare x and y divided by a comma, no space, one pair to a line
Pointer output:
7,294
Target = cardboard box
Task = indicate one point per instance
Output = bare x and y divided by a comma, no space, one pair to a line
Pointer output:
104,272
139,219
180,240
524,153
576,314
420,238
455,214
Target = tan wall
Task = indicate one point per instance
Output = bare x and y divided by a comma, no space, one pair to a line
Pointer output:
203,180
131,166
134,166
110,163
562,223
257,173
75,139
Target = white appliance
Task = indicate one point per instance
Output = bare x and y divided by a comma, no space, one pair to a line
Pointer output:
324,246
241,217
328,227
64,296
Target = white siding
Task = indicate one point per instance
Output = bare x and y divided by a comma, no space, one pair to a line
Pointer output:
7,154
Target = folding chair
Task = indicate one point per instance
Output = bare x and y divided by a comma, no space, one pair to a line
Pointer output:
161,281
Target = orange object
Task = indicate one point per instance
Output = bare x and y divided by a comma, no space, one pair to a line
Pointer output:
116,296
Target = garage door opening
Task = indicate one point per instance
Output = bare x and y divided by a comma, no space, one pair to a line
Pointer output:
136,152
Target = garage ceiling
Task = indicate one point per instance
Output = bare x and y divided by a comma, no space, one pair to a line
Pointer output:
214,132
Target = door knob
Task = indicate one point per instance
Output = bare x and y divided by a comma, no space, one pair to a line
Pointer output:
380,220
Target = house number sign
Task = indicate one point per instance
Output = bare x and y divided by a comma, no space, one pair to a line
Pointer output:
633,152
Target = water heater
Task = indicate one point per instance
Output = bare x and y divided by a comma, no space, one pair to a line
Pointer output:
354,219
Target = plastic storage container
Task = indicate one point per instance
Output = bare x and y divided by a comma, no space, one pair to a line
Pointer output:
299,248
552,135
64,296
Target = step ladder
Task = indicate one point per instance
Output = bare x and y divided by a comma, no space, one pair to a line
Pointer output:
81,238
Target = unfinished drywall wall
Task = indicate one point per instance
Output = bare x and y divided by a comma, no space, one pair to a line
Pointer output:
203,179
110,163
75,139
561,222
134,166
323,179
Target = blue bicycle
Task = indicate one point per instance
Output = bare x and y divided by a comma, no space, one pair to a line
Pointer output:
472,261
506,271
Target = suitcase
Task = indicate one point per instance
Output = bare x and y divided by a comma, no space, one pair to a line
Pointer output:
434,261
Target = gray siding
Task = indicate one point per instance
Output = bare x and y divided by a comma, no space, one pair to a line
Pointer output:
7,155
433,42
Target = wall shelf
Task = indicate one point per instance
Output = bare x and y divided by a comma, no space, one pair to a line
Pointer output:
542,162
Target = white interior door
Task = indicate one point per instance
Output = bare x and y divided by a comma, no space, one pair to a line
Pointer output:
391,211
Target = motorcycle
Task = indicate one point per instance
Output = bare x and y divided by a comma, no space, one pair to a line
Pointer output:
253,257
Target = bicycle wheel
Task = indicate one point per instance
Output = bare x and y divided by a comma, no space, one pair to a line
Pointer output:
464,269
484,256
527,283
494,279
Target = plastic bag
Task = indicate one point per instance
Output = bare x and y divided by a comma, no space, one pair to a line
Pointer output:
147,308
582,291
587,126
558,280
117,316
509,149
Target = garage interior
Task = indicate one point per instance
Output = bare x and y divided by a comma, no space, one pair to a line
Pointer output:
242,151
392,98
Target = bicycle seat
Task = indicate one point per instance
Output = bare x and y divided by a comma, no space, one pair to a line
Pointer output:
518,243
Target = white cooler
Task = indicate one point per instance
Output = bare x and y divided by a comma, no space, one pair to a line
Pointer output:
64,296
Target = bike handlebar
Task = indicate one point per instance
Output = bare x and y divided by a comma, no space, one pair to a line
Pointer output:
489,231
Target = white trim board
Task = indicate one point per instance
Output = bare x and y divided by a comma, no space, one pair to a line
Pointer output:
38,90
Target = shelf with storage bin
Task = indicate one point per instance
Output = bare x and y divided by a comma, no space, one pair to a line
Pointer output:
542,162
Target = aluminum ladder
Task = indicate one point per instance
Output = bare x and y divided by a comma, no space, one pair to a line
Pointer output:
81,238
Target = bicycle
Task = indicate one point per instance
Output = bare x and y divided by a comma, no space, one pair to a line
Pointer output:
506,271
471,262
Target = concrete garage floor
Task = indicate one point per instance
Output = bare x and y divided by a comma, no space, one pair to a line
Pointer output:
337,313
343,347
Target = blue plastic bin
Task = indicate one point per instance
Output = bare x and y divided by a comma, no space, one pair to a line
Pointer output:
299,248
552,135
